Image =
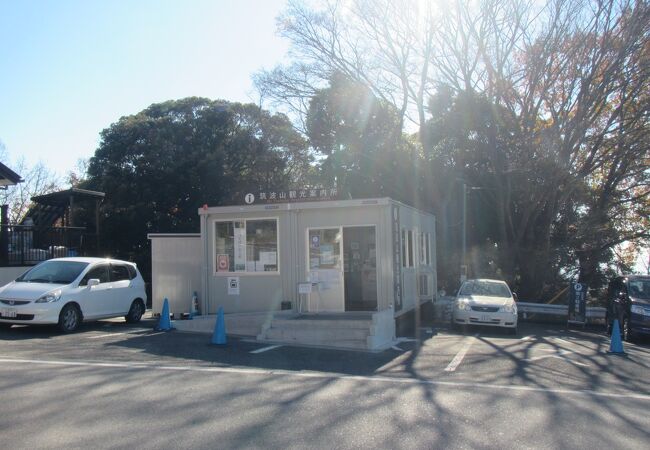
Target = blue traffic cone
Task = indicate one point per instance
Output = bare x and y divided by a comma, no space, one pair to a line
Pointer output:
164,324
616,344
219,335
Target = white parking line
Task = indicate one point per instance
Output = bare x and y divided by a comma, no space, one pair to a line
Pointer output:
460,355
318,375
118,334
105,335
266,349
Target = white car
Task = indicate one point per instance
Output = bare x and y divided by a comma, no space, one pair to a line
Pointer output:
485,302
67,291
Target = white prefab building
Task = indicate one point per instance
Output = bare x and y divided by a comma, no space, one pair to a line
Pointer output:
334,273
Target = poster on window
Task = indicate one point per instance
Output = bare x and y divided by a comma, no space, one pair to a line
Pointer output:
223,263
269,258
240,249
326,254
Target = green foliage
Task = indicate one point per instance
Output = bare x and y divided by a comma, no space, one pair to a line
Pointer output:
159,166
360,139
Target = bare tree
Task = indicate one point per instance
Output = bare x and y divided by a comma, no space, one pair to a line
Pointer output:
38,180
573,76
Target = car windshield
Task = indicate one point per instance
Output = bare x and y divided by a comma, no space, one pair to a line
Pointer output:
487,288
640,288
55,272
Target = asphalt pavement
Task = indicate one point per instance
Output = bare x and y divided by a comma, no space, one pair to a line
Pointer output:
114,385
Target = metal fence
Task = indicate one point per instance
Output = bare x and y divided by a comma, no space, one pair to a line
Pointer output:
24,245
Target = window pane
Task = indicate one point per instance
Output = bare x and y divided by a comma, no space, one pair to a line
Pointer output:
324,249
261,246
62,272
246,246
100,272
425,249
410,247
224,239
421,244
119,273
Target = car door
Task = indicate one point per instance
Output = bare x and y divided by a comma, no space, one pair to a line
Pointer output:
122,294
95,300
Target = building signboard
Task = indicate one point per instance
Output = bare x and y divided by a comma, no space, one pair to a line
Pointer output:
291,195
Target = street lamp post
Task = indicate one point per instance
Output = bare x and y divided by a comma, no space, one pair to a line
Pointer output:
463,266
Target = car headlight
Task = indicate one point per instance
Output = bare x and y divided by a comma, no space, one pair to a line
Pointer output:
50,297
463,305
636,309
510,308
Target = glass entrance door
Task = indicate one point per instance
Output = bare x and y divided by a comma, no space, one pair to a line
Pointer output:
360,268
326,268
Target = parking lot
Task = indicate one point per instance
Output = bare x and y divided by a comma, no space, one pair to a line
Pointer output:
448,387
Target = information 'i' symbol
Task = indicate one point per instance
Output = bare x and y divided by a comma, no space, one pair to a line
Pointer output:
250,198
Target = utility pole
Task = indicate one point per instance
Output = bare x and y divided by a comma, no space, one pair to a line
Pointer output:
463,266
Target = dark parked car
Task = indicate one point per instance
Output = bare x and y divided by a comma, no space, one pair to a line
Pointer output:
628,300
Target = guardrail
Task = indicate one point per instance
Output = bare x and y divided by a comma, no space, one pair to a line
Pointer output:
593,312
443,307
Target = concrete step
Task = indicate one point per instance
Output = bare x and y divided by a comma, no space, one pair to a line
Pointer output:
316,335
358,344
322,323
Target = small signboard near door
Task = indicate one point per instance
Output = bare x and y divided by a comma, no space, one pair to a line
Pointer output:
233,285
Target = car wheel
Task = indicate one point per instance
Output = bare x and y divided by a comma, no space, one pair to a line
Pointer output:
69,318
135,313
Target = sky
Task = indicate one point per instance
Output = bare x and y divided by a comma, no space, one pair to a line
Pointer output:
69,69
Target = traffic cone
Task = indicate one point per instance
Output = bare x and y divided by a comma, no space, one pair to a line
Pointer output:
616,344
219,335
164,324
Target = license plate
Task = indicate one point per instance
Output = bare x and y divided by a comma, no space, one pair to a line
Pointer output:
485,318
8,313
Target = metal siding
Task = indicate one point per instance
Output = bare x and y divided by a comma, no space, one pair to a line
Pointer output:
266,292
377,215
386,294
258,292
412,219
176,272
